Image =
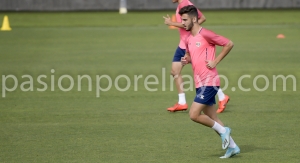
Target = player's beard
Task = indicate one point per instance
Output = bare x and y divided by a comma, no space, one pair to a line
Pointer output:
189,27
174,1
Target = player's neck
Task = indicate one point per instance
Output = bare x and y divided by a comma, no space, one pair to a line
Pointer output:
179,1
195,30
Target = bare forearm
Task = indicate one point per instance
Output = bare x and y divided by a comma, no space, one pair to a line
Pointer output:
180,25
176,24
202,19
226,49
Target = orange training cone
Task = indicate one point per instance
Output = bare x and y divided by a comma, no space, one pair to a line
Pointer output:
173,20
280,36
5,24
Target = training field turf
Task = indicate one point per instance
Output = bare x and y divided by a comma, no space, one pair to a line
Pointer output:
48,124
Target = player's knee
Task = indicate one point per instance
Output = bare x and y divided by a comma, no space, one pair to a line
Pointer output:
193,117
175,73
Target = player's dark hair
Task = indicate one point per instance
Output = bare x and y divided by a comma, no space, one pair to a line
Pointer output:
190,10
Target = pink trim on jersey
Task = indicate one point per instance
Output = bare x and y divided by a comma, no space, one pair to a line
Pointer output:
182,32
202,47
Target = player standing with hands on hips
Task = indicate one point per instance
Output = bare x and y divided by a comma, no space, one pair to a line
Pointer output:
177,66
200,52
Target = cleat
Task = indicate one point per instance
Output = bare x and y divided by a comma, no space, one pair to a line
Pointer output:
225,138
231,152
222,104
178,107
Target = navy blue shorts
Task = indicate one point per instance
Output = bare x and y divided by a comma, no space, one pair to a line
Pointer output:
178,54
206,95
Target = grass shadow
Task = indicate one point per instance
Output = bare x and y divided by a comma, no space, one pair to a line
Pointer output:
244,149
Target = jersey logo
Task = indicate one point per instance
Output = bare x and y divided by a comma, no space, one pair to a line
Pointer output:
198,44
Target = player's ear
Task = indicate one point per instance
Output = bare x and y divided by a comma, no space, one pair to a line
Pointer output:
195,20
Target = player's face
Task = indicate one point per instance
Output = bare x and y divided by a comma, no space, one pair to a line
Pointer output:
174,1
187,22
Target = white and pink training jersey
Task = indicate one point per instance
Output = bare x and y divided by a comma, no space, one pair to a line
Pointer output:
202,47
182,32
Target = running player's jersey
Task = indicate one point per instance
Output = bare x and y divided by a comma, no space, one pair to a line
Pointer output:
202,47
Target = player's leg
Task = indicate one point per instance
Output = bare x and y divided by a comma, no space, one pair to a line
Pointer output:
223,100
197,116
176,73
233,149
204,101
210,111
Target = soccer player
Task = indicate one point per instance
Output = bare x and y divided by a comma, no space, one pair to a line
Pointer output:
200,52
177,66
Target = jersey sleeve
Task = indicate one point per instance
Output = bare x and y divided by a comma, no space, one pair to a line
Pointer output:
213,38
184,3
199,14
190,3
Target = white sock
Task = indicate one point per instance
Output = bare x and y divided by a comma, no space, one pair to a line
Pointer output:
221,95
220,129
181,100
231,143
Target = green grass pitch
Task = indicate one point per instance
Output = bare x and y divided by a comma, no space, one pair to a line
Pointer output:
133,125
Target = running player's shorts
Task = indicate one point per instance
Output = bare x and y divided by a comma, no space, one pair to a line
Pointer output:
206,95
178,54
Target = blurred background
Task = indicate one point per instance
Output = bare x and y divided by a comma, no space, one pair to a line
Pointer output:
74,5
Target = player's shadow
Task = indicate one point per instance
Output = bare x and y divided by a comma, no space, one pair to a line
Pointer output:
244,149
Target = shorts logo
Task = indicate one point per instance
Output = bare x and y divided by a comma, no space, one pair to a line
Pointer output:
198,44
200,96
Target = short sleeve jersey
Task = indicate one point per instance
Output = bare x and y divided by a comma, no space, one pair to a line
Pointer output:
202,47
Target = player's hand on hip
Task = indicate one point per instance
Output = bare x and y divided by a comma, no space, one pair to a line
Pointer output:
210,64
167,20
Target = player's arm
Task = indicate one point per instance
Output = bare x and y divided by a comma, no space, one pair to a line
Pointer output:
215,39
202,19
169,22
225,50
